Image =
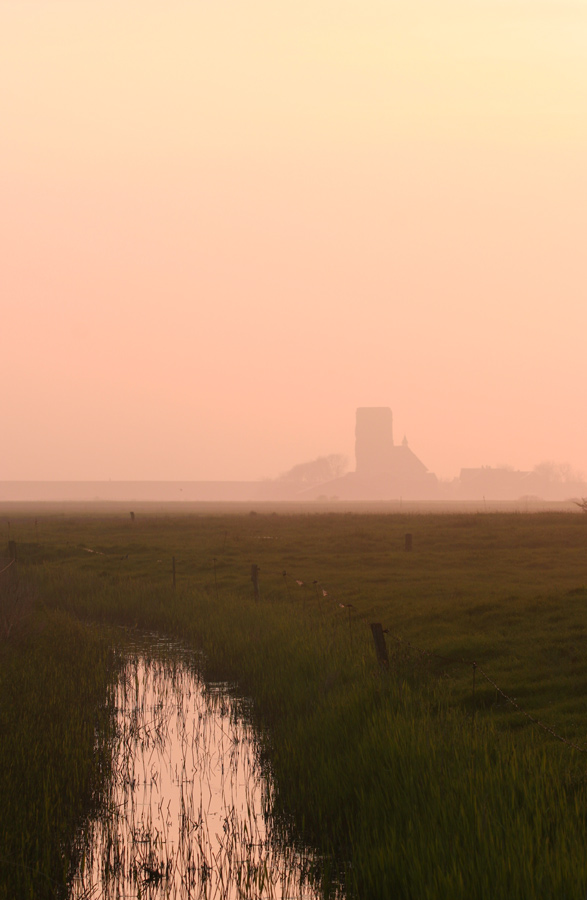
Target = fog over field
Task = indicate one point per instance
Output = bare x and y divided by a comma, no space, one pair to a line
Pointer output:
226,226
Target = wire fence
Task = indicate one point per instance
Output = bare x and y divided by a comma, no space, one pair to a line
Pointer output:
6,567
326,593
454,660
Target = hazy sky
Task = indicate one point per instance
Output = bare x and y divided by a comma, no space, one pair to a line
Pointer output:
225,225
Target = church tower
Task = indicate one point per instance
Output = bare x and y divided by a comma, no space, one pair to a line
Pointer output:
373,441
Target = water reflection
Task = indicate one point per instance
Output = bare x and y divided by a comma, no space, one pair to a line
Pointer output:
188,806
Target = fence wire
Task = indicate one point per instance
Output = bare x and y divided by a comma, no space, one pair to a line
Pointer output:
455,660
532,719
325,593
11,563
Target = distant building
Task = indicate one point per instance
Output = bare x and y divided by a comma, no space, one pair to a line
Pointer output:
383,470
501,483
495,483
374,441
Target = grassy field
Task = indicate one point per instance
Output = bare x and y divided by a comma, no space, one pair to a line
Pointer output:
55,721
423,782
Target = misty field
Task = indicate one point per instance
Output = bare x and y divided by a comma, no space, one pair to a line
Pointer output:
457,772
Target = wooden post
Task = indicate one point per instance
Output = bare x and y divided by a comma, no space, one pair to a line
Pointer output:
284,573
380,645
255,580
173,558
12,550
132,516
215,581
408,542
474,739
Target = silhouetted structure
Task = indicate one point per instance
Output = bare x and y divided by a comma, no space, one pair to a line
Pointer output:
502,483
384,470
374,441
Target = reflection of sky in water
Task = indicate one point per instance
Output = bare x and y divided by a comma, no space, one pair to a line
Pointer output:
188,801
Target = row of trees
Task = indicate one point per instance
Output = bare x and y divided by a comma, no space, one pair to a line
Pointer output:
326,468
316,471
559,473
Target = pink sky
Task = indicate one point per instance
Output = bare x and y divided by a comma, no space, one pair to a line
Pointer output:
224,226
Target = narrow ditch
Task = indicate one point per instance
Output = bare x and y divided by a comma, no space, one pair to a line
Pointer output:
188,809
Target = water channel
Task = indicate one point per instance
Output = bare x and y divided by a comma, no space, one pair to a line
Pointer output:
188,809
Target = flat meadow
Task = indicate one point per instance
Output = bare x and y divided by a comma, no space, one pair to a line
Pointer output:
457,771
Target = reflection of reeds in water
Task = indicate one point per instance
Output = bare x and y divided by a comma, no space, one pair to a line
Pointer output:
189,807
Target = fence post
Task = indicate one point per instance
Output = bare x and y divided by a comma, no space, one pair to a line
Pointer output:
132,516
408,542
284,573
255,580
173,559
380,645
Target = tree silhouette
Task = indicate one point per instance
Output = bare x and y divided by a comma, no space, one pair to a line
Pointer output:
316,471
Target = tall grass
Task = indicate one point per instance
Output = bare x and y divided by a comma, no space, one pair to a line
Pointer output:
54,725
416,788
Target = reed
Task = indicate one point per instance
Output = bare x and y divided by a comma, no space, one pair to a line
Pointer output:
54,758
415,785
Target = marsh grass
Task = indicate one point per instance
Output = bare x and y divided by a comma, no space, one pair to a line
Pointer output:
189,807
419,786
54,727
